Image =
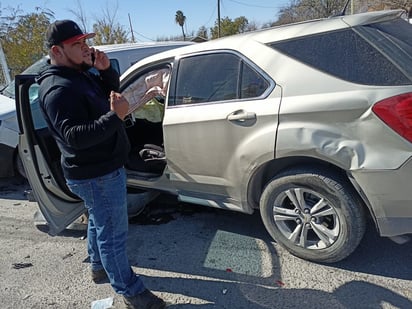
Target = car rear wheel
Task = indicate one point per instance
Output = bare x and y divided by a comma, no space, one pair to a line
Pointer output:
314,214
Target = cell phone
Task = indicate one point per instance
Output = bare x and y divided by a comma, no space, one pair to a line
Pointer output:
93,58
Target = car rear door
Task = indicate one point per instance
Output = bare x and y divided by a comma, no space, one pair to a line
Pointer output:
41,159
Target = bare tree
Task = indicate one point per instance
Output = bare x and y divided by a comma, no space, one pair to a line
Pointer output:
388,4
202,32
107,30
80,15
300,10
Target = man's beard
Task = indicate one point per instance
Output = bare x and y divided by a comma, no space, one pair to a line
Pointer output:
85,67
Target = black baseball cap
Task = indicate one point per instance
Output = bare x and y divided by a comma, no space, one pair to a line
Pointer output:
65,31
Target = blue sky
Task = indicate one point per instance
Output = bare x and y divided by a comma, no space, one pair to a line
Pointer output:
152,19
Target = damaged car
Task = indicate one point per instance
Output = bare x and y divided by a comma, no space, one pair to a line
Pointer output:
309,123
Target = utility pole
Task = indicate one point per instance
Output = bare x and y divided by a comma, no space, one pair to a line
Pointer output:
131,28
218,18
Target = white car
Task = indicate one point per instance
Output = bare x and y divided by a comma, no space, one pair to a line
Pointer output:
121,56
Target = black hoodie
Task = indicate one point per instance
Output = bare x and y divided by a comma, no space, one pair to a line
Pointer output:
91,137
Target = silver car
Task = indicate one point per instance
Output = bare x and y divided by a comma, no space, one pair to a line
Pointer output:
308,123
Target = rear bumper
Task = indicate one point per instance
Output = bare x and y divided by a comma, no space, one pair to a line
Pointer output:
389,193
6,161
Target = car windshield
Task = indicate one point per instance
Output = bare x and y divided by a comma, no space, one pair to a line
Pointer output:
35,68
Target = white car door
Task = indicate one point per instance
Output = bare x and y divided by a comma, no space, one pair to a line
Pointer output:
41,160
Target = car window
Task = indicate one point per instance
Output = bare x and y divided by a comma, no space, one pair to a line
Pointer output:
252,84
393,38
216,77
147,92
114,63
346,55
38,120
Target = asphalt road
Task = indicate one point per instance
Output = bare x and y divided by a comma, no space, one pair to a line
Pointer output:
193,257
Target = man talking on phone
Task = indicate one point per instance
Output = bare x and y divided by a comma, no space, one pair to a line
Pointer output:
85,116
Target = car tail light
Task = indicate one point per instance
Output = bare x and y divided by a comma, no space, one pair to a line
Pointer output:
396,112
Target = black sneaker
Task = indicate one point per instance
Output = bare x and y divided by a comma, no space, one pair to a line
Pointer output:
144,300
99,276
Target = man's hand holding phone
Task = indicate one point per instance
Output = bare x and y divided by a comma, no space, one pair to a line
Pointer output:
100,60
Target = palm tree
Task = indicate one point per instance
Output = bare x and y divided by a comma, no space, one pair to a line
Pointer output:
180,19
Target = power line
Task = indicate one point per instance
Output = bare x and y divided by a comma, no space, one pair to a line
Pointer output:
211,16
255,5
147,38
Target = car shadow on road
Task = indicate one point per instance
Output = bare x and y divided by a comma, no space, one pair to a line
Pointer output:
380,256
222,281
14,188
228,275
375,255
354,294
207,262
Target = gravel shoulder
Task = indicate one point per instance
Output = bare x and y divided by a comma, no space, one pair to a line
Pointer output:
194,258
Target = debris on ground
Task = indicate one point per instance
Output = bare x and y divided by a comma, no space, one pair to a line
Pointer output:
21,265
102,303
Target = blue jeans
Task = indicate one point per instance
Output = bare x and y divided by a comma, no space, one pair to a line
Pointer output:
105,198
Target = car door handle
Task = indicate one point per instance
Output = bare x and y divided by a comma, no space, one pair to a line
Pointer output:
241,115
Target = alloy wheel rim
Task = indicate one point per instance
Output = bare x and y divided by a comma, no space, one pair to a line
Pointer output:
306,218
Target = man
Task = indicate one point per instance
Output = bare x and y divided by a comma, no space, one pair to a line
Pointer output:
85,115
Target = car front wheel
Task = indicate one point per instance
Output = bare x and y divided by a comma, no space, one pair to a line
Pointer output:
314,214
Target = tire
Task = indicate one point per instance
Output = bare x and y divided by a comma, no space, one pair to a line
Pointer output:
314,214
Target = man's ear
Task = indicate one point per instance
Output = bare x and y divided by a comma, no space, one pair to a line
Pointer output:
56,51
